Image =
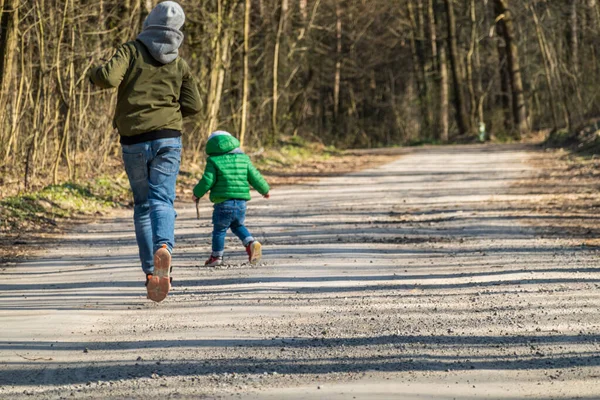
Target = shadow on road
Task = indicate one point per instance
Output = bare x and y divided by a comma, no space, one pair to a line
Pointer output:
437,232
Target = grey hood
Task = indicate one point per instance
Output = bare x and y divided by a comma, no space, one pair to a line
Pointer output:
161,34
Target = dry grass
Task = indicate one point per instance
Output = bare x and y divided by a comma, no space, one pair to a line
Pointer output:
568,187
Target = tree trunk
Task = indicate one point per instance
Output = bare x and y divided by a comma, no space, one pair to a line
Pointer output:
504,86
280,28
549,73
462,117
478,79
303,10
444,94
221,48
473,70
125,19
8,43
574,90
432,33
146,7
418,68
504,18
224,45
434,71
572,35
246,88
338,62
593,14
424,64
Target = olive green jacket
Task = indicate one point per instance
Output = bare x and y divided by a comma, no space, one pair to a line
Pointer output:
228,175
151,96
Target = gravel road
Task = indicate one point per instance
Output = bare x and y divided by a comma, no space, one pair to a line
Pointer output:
418,279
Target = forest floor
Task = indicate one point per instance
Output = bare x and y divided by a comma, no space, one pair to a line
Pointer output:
451,272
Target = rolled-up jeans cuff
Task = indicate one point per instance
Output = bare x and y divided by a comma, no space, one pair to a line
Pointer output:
218,253
247,241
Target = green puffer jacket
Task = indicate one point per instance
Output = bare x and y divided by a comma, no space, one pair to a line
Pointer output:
228,175
152,96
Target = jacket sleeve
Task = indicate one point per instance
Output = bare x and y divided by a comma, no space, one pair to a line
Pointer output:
189,98
209,178
256,179
112,73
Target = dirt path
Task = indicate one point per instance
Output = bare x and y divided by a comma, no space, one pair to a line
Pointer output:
418,279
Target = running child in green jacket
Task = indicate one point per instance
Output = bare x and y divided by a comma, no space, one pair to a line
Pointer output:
228,176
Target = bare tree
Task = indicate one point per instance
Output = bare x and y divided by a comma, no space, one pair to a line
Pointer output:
283,10
505,19
458,78
246,88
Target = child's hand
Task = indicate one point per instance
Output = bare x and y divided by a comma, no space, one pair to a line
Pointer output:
267,196
195,198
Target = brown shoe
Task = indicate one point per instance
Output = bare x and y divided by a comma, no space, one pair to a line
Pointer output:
159,283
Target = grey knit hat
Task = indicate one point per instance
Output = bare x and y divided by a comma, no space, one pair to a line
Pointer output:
161,31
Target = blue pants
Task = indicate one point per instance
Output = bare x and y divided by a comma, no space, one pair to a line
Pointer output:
152,169
229,214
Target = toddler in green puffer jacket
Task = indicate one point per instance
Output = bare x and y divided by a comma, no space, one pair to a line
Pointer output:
228,175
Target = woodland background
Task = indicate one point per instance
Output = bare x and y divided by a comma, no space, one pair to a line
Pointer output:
349,73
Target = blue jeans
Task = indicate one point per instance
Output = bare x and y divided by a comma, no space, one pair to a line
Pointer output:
229,214
152,169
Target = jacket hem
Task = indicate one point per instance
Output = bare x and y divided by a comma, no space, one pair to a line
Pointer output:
149,136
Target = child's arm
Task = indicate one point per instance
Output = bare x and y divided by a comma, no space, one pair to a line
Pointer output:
111,74
189,98
208,180
257,181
